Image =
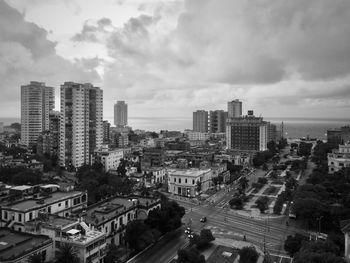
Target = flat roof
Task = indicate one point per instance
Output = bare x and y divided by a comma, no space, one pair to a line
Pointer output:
21,187
31,204
15,244
187,172
53,221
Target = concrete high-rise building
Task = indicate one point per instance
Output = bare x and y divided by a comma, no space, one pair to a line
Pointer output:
81,130
120,113
247,133
200,121
37,101
106,132
234,109
217,121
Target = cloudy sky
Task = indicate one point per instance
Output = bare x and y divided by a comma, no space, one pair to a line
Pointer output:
168,58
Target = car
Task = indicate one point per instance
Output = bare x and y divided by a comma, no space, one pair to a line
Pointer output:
203,219
188,230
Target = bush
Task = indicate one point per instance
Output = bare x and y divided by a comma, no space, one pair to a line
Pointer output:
236,203
248,255
262,203
262,180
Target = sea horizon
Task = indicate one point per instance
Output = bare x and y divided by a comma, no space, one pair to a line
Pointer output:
294,127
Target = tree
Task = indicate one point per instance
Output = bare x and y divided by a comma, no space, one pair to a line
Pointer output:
293,243
236,202
134,230
111,255
36,258
319,252
262,203
243,183
248,255
262,180
190,255
66,254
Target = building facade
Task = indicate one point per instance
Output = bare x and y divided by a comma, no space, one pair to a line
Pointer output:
217,121
81,130
109,158
187,182
247,133
37,101
106,132
15,214
120,113
339,159
200,121
234,109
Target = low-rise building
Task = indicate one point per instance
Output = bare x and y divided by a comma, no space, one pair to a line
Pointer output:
109,158
185,181
17,247
155,174
197,136
15,214
111,216
339,158
89,244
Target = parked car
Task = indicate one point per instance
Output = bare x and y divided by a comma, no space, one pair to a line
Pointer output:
203,219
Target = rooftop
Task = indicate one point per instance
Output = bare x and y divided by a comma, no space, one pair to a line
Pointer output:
30,204
14,244
193,172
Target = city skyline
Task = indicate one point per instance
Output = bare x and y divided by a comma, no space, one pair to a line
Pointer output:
278,65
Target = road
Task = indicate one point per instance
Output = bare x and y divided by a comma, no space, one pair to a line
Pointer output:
224,223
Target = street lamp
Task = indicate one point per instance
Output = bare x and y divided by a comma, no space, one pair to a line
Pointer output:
319,223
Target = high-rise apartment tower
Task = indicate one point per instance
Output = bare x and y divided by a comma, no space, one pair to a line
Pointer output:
37,101
200,121
120,113
234,109
81,130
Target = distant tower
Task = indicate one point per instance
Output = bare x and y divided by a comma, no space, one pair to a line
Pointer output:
234,109
200,121
37,101
282,130
120,113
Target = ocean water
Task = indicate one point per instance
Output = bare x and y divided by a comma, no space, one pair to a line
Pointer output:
293,127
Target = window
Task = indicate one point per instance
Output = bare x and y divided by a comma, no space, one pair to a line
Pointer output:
20,217
59,204
49,209
174,180
179,180
120,220
5,214
186,180
128,217
66,203
30,216
83,198
193,182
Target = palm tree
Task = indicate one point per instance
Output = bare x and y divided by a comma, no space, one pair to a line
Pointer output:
66,254
35,258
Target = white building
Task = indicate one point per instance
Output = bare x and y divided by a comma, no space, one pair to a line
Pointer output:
200,121
339,159
120,113
37,101
111,216
155,174
197,136
14,215
81,125
184,181
90,244
109,158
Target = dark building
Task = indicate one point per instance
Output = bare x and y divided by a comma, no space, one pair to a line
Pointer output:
106,132
247,133
217,121
339,136
153,157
